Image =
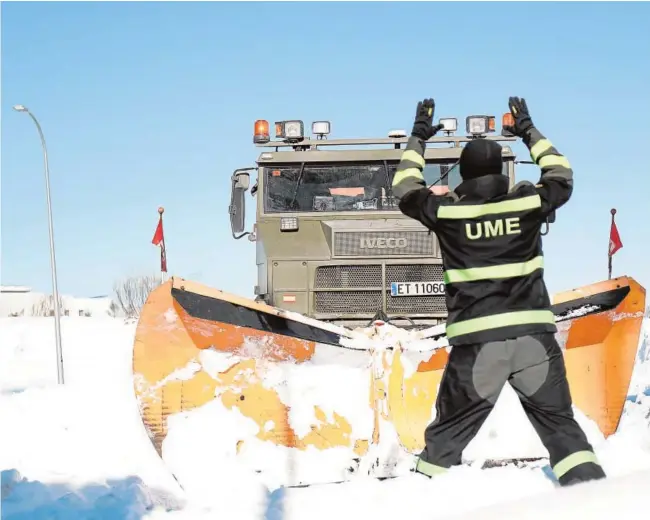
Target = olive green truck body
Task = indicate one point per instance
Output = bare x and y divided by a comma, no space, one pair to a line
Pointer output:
330,240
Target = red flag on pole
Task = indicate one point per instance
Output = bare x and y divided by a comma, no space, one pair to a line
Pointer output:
614,241
159,239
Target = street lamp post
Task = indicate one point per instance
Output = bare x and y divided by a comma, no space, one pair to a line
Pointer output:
55,288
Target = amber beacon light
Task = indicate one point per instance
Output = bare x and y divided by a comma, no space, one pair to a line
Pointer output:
507,120
261,134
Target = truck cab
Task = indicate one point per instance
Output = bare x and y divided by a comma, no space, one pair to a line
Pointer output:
331,242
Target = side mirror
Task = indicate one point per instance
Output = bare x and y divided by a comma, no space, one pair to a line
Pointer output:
240,183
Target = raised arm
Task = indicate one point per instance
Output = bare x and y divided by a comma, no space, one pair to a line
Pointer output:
409,176
556,183
415,199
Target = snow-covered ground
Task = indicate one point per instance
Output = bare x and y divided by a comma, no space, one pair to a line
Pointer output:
80,451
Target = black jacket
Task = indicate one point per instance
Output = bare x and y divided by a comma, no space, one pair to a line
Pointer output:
491,243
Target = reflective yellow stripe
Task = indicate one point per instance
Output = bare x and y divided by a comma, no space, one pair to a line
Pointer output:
573,460
403,174
457,211
539,148
429,469
553,160
499,320
497,271
413,156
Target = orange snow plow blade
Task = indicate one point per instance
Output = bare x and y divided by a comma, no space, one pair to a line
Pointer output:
599,326
196,347
299,401
601,347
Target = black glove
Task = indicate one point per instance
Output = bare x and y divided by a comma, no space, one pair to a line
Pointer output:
519,111
423,128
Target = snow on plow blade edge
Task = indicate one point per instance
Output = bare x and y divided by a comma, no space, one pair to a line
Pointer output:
197,347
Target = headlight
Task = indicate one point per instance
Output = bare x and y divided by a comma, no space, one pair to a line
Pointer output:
289,224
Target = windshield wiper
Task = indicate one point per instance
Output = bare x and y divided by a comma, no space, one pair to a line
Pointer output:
443,176
295,192
389,184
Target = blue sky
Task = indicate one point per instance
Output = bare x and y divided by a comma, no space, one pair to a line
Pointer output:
149,104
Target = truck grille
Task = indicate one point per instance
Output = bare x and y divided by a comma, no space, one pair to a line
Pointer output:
415,304
413,273
384,243
348,302
359,301
342,276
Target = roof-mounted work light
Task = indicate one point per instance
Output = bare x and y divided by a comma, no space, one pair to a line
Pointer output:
397,134
479,125
449,124
320,128
290,130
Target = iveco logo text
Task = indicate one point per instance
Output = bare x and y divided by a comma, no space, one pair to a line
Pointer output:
383,243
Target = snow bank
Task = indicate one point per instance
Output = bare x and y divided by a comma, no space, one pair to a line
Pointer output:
80,451
77,448
622,497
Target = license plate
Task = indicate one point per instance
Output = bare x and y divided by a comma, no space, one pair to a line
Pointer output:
417,288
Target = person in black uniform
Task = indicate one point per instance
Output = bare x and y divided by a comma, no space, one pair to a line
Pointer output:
500,324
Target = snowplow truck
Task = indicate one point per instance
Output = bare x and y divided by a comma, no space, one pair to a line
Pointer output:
332,369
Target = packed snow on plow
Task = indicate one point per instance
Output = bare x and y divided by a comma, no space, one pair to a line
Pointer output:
332,371
334,402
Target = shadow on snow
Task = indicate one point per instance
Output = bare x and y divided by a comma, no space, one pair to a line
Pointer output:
123,499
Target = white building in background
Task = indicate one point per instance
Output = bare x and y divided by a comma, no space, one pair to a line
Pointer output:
18,300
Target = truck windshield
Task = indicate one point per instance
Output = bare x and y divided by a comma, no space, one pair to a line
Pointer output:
345,186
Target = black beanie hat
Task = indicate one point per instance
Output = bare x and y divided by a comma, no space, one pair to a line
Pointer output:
480,157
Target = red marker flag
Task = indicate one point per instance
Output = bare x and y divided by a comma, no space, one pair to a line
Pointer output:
614,242
159,239
614,239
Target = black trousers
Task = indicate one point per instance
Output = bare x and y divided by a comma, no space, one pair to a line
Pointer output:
471,383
